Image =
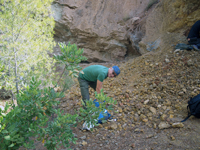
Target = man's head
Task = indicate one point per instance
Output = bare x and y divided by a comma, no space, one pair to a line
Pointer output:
113,71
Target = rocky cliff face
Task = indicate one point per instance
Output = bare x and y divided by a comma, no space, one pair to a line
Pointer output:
169,23
111,30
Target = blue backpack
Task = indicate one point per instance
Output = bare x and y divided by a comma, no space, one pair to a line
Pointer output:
193,107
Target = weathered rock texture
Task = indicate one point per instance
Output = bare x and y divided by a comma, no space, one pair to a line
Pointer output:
169,23
111,30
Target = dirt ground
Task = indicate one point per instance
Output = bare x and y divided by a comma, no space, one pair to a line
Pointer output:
151,93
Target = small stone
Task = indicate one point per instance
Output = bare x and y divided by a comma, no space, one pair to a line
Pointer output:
84,143
146,63
184,90
177,50
189,62
145,120
145,102
113,126
126,95
172,138
163,125
137,130
149,136
177,125
153,110
167,60
163,117
132,145
164,107
168,103
154,126
181,93
100,126
193,94
83,137
120,109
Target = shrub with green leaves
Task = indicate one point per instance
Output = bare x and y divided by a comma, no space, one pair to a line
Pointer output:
32,118
70,57
36,115
91,112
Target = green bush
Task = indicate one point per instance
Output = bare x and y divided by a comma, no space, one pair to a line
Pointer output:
32,118
91,113
36,114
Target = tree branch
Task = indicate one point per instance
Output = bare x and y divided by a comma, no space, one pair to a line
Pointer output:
22,26
60,77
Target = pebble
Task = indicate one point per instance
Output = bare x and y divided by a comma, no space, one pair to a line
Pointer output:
190,62
153,110
167,60
178,125
113,126
83,137
84,143
145,102
149,136
163,125
172,138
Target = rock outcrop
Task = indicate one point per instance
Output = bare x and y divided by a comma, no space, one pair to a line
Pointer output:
111,30
168,24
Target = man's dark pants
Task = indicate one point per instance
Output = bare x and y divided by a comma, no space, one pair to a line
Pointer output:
84,86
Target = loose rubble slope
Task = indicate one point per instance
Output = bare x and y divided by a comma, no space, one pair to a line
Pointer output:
152,93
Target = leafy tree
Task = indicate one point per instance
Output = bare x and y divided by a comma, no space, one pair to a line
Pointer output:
32,118
26,37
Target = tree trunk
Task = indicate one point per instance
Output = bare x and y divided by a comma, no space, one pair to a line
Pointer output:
16,78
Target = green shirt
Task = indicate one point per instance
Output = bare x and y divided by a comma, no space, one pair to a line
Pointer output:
94,72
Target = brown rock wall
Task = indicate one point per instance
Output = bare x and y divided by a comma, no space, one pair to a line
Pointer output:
110,30
97,26
168,24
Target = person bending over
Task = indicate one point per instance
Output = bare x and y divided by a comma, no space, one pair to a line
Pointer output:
94,76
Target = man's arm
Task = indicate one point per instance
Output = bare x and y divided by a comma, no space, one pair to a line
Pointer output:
99,86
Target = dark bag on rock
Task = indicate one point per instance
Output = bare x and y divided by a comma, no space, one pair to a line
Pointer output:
193,107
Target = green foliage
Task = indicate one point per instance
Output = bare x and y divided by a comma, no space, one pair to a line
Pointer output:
32,118
37,116
26,34
24,53
70,56
59,131
91,113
